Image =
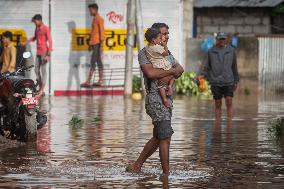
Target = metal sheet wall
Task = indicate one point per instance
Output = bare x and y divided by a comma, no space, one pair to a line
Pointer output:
271,63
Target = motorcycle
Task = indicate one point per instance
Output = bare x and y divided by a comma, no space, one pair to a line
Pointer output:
19,115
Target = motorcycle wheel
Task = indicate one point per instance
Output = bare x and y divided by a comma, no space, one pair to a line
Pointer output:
31,127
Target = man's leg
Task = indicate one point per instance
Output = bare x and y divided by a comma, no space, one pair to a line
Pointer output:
164,152
37,71
217,92
87,83
150,147
98,58
229,105
43,75
218,111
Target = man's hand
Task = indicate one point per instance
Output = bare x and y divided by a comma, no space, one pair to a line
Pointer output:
46,58
164,44
24,43
177,71
235,86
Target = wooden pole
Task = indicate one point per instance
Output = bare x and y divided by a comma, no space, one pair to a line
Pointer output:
140,34
129,47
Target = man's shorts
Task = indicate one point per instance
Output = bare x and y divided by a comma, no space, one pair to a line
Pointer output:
160,115
162,129
222,91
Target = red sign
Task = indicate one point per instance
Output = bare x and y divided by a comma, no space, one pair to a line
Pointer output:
28,101
114,17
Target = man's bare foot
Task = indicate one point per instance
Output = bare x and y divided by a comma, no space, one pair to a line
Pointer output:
86,84
170,91
133,169
164,177
166,103
99,83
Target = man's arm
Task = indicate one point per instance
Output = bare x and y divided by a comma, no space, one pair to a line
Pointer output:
235,69
49,40
32,39
12,63
205,67
102,31
156,73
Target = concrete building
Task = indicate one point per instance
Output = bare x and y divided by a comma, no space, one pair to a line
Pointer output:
70,23
248,17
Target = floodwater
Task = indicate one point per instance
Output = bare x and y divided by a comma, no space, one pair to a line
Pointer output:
241,155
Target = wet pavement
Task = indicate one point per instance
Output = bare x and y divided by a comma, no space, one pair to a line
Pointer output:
241,155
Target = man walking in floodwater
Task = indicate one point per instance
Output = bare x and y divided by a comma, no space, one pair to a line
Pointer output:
222,73
96,46
155,108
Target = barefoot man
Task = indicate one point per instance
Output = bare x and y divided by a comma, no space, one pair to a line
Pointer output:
155,108
221,71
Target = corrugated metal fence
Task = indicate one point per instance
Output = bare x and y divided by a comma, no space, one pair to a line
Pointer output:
271,63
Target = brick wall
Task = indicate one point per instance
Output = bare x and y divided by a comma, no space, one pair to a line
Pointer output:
246,21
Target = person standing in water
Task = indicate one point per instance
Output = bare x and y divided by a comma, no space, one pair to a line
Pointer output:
155,108
221,71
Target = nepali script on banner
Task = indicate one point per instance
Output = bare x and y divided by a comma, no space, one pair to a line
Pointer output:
115,39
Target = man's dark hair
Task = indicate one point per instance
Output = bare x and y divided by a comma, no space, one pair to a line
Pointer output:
151,34
37,17
8,34
94,6
160,25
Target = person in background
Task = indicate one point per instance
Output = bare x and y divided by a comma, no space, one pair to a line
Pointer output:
9,54
96,46
7,64
44,47
222,73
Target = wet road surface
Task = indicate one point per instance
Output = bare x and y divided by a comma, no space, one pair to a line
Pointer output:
241,155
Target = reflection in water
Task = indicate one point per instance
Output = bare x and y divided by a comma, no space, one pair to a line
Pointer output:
203,154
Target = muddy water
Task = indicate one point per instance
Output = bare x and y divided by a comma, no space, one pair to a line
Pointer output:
240,155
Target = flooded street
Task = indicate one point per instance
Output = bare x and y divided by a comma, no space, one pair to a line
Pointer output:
241,155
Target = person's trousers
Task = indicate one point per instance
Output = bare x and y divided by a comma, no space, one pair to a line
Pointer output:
96,59
41,69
